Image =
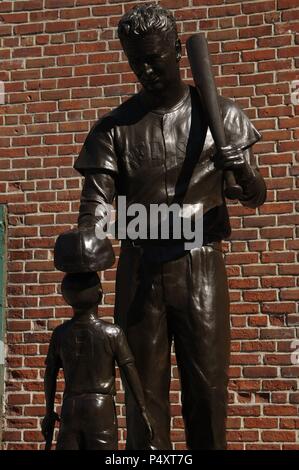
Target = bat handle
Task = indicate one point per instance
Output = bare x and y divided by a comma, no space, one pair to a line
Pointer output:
232,189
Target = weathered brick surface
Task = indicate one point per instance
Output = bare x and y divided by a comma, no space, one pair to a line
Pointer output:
62,67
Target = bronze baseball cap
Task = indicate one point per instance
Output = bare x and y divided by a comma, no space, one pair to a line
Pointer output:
80,251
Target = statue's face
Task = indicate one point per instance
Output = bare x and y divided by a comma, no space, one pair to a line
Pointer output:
154,59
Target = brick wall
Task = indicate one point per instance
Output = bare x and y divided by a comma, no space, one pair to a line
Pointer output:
62,67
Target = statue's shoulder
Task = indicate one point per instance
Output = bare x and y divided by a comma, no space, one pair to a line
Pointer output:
120,116
60,330
229,106
237,123
108,329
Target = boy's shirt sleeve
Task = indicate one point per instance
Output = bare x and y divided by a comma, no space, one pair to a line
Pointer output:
122,351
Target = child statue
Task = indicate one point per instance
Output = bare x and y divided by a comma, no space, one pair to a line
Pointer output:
86,348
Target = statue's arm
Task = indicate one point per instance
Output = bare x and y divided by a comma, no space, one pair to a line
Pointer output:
87,248
238,155
97,195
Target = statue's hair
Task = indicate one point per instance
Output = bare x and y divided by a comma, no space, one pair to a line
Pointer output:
146,18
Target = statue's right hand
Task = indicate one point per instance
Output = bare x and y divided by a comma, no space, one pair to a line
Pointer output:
148,426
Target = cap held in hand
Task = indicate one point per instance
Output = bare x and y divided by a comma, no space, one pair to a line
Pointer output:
79,250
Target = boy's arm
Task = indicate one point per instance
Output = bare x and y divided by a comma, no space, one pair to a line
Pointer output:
50,387
48,423
132,378
53,365
126,363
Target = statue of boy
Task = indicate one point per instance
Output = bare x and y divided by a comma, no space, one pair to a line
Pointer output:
86,348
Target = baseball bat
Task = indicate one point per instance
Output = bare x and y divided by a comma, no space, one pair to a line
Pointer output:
201,67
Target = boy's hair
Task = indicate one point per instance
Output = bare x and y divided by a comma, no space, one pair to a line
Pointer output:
146,18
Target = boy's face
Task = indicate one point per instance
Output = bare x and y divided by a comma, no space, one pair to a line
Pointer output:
154,59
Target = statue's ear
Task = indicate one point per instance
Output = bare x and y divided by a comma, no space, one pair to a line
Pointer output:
178,49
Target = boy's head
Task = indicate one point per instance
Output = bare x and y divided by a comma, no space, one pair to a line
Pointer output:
82,290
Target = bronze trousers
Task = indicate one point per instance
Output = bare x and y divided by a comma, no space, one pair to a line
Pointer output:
88,422
184,301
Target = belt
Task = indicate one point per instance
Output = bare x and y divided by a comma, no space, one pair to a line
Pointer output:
216,245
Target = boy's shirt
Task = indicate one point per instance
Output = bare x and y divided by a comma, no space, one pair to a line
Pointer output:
87,349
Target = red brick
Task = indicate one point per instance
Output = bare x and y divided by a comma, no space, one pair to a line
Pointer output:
18,399
243,436
272,41
224,35
277,333
59,3
263,447
278,257
55,27
261,54
12,436
274,65
264,371
261,423
92,23
255,79
287,4
279,436
256,7
33,436
278,282
255,32
290,15
241,258
228,10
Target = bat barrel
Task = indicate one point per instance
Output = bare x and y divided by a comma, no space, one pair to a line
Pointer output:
199,58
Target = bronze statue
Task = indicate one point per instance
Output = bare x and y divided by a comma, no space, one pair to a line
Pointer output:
87,347
157,148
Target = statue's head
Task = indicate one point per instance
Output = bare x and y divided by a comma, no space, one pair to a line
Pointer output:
150,41
82,290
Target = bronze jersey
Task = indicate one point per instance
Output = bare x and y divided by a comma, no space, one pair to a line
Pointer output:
164,156
87,350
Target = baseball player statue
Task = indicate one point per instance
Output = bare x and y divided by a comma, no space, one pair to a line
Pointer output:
158,148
